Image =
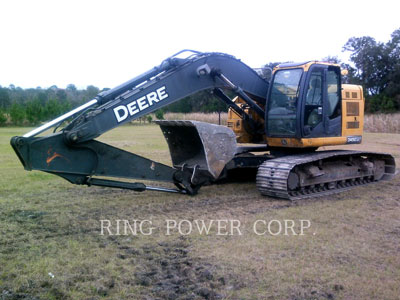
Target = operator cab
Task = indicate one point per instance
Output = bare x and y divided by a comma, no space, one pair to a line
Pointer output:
304,101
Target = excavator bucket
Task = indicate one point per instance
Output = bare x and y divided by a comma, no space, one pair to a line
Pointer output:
198,145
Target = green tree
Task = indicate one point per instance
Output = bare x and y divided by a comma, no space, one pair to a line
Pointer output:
350,77
370,60
184,106
71,87
393,87
34,111
3,118
332,59
91,92
266,70
52,109
159,114
4,98
377,68
203,101
61,95
17,114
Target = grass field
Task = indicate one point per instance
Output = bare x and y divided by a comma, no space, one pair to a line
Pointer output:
51,245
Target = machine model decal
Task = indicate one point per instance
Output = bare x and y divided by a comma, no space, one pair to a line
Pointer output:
355,139
123,111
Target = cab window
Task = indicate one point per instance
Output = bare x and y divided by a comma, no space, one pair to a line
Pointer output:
333,83
313,105
283,102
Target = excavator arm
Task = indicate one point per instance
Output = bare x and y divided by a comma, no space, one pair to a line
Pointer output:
173,80
200,150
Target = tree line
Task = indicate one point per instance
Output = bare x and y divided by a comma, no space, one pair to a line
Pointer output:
34,105
374,65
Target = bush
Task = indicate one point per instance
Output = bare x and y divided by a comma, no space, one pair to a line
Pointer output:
52,109
3,118
381,103
160,114
34,111
17,114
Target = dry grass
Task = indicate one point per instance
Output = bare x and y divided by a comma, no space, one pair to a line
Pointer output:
213,118
209,118
50,226
389,123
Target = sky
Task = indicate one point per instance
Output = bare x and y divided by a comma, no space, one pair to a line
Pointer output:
105,43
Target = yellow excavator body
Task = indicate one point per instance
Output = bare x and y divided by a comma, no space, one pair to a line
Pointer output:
351,110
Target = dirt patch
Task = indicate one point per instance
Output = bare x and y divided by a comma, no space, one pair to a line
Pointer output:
168,271
23,294
306,291
9,295
313,295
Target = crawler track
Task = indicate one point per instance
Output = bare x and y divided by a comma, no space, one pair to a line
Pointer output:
322,173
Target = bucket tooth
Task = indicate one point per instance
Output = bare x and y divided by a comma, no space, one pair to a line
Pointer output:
192,143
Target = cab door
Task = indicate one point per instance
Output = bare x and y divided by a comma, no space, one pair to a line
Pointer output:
321,103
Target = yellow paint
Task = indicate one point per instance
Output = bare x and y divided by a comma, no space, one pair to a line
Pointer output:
305,143
352,118
304,66
352,95
238,125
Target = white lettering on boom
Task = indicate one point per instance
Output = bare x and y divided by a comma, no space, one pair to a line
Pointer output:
122,112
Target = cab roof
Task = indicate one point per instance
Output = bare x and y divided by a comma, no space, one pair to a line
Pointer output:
304,65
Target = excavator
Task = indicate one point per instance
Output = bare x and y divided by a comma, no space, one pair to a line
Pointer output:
274,130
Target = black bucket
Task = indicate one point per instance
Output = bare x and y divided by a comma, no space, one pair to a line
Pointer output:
192,143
